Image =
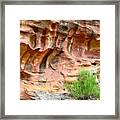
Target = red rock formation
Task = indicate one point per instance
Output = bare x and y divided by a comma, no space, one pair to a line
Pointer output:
56,50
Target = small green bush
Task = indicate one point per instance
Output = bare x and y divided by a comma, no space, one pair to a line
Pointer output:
85,86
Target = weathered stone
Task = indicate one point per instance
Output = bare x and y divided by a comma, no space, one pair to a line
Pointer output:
52,52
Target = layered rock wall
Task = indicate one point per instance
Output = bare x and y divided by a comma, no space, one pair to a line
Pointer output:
56,50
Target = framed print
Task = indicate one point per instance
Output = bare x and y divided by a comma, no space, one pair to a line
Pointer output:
60,59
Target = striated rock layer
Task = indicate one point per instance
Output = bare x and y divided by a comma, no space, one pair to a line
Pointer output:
52,52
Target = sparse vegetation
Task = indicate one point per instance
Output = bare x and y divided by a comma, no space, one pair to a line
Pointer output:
85,87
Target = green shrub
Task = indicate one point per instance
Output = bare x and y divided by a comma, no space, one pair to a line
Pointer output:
85,86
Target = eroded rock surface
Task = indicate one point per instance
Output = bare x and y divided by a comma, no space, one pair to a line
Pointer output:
52,52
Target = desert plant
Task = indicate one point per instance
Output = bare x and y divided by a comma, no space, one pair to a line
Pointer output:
85,87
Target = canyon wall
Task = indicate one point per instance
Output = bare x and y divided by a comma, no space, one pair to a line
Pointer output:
54,51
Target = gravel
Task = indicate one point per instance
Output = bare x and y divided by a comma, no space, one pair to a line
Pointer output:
52,96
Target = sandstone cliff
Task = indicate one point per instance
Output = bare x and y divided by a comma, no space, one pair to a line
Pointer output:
52,52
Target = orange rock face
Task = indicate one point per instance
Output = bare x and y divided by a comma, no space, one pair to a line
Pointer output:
54,51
